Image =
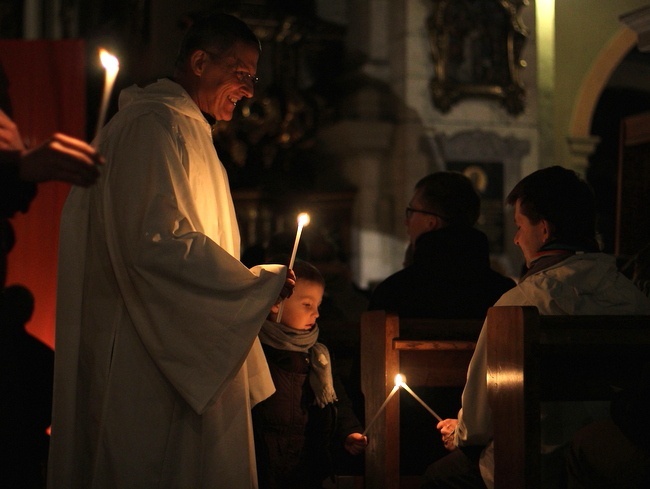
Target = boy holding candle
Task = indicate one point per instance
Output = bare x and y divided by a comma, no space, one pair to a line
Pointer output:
298,429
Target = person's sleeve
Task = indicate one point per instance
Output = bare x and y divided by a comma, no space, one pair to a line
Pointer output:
475,425
475,416
196,308
15,194
347,421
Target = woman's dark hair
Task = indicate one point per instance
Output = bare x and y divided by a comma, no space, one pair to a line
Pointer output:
217,32
559,196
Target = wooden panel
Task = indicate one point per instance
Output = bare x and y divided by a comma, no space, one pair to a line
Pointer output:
534,358
429,352
633,192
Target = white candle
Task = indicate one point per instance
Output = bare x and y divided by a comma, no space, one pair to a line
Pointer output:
398,382
111,66
303,220
417,398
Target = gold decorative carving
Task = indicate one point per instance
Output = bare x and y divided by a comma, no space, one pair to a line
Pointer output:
476,47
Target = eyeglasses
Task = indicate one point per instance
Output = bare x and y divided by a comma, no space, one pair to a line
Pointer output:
410,211
242,76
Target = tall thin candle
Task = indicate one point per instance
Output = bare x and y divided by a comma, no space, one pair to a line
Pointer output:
417,398
398,382
111,66
303,220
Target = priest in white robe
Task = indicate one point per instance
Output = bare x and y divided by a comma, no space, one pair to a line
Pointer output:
157,358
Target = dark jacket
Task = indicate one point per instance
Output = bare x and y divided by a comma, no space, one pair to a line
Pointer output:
15,196
450,277
295,440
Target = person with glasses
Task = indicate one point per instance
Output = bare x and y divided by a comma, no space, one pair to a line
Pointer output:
449,276
158,361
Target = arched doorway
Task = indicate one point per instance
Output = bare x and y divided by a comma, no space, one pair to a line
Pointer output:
617,86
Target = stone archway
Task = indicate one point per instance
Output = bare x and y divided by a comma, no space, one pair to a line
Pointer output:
581,142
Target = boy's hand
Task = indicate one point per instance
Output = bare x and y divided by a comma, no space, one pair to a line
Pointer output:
356,443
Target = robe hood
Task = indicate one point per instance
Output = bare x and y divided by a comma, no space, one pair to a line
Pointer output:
164,92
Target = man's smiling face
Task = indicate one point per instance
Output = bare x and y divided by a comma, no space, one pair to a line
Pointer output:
226,80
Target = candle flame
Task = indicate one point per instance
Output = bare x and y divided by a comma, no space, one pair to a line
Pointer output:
303,219
109,61
399,379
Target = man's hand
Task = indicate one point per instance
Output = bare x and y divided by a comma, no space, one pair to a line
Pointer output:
10,139
447,428
289,284
61,158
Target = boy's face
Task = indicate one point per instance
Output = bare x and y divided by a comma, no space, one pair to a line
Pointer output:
529,237
301,309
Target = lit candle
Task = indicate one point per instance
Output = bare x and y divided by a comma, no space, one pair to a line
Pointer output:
398,383
303,220
112,66
417,398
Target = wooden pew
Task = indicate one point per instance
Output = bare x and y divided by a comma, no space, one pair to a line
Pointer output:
533,358
429,352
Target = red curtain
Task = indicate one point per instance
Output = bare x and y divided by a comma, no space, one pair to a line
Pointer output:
47,89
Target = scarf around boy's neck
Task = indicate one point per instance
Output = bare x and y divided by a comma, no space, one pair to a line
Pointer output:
282,337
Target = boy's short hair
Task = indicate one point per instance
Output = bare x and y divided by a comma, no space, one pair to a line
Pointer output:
559,196
306,271
452,195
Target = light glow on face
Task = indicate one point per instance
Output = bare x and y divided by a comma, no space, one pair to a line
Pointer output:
220,87
301,309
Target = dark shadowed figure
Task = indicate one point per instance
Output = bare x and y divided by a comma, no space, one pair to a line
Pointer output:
26,369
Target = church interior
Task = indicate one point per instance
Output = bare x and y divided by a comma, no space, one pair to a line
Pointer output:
357,100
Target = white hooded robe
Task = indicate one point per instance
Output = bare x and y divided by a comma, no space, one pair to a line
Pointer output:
157,357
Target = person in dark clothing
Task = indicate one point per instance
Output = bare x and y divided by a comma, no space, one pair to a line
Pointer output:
26,369
302,426
448,276
26,364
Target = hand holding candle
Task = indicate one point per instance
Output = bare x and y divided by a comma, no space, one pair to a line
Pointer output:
112,66
303,220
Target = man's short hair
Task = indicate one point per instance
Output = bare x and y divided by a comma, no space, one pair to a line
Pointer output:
452,195
217,32
559,196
